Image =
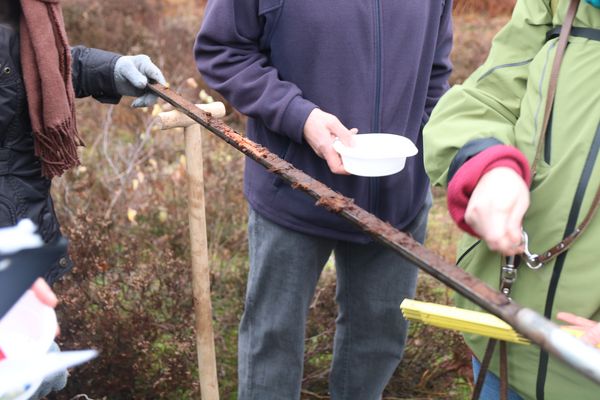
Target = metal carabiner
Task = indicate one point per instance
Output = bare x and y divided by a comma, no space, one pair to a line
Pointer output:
531,259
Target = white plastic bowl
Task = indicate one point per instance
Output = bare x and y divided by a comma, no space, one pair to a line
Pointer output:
376,154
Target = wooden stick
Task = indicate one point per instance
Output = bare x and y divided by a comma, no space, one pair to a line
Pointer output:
207,365
176,119
205,343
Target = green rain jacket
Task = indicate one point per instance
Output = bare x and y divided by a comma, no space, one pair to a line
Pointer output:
505,99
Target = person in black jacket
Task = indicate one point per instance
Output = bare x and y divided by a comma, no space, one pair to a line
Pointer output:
106,76
40,75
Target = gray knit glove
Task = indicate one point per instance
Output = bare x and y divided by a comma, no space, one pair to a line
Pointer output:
131,78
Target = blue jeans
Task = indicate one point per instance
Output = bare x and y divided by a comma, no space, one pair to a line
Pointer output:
372,281
491,385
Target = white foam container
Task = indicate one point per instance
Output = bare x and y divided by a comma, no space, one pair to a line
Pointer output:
376,154
27,332
28,329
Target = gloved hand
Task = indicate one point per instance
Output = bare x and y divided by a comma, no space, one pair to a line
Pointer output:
131,77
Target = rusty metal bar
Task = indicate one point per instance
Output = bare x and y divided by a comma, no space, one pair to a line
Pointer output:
530,324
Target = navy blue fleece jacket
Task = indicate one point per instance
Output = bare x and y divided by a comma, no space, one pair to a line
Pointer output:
379,66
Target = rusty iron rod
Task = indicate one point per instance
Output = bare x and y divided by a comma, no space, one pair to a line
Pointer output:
530,324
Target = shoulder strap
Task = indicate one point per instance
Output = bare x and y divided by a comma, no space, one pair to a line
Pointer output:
567,242
560,53
484,368
538,260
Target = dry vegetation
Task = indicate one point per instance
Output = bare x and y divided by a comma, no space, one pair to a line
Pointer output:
483,8
125,212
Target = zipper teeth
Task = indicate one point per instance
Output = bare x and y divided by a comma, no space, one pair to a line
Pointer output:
374,182
560,261
376,116
574,213
548,139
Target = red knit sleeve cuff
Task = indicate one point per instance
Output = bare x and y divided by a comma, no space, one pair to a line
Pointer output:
468,175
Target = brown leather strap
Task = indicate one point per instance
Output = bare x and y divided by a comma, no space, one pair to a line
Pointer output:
560,52
483,369
503,371
563,41
569,240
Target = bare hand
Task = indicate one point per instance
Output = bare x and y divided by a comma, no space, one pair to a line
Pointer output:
320,130
496,210
590,328
44,293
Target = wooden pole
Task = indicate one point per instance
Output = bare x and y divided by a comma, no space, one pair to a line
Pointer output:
205,343
207,366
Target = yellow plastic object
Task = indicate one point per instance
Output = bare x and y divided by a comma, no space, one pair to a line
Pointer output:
467,321
461,320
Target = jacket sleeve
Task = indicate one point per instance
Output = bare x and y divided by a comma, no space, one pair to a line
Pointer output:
93,74
230,56
464,181
488,104
442,67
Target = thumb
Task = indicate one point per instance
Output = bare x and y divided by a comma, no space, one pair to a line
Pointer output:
345,135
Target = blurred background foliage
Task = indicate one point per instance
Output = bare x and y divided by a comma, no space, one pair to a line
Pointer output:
125,212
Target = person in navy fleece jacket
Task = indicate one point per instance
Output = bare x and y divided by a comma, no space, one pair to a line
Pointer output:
305,72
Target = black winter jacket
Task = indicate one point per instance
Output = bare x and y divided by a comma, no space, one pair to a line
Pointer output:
24,192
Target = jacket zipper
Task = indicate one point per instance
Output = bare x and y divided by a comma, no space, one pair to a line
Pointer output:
584,180
548,139
374,183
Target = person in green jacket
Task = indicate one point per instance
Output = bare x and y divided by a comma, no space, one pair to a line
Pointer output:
481,143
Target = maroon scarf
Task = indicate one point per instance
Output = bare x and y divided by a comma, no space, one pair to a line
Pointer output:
46,63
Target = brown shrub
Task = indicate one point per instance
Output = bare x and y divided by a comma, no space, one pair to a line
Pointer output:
472,39
163,29
484,7
130,292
